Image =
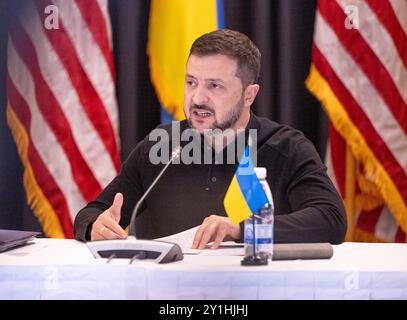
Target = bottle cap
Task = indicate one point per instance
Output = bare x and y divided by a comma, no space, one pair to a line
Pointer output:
261,172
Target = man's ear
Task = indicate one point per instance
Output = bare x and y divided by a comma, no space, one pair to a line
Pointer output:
250,94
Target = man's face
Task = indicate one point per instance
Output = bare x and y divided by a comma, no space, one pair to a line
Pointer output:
213,94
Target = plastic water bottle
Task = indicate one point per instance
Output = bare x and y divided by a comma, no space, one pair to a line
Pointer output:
264,221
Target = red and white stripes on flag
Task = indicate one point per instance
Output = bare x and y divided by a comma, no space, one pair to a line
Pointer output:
360,76
62,108
373,221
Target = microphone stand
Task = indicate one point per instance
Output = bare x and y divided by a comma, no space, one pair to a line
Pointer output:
132,248
132,230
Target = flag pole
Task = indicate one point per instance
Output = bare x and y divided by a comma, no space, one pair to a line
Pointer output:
349,201
254,235
250,142
253,260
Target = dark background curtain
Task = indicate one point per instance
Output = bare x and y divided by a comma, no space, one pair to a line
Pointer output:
282,29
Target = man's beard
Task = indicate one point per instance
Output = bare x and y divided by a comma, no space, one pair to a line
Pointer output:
231,117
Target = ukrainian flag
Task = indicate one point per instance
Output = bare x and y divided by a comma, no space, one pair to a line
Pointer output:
245,194
173,27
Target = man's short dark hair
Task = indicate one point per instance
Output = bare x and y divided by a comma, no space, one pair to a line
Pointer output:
235,45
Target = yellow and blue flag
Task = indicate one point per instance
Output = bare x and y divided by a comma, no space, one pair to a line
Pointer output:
245,194
173,27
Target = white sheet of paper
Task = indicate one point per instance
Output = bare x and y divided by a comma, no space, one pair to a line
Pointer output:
185,239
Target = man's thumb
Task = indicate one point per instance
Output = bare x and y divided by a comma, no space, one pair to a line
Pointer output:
116,207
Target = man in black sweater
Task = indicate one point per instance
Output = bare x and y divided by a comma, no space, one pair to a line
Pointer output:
220,87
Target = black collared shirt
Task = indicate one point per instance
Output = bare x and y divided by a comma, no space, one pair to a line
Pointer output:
307,205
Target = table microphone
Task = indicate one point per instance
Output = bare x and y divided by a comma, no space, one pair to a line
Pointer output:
132,248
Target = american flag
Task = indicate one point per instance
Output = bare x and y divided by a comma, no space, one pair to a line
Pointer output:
62,108
359,74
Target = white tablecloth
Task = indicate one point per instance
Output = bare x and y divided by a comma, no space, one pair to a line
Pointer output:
65,269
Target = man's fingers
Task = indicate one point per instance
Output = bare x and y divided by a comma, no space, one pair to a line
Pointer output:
207,235
198,236
116,207
199,233
105,227
217,228
107,234
220,236
113,226
102,232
